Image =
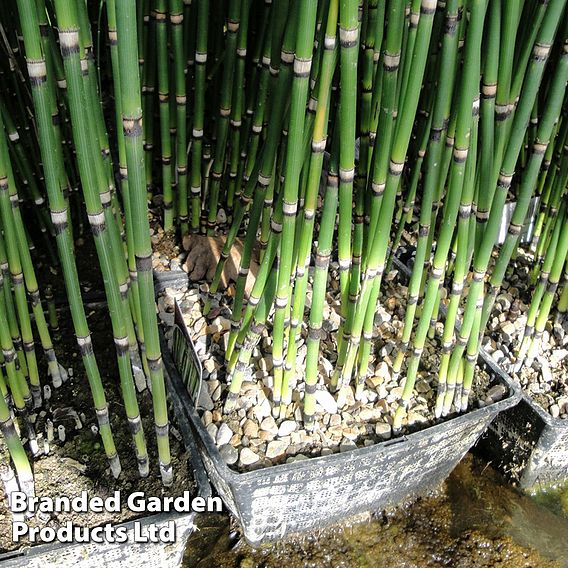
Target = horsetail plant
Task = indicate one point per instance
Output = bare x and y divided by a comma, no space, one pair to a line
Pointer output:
247,117
53,171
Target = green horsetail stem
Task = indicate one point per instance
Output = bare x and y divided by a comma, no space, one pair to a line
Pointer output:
52,312
94,183
319,286
222,125
541,143
468,88
443,402
19,390
53,171
148,92
128,273
57,89
14,231
260,181
405,212
440,116
350,260
411,26
28,176
141,9
349,253
265,217
377,254
261,177
313,177
198,112
176,9
238,99
265,271
546,180
540,289
404,217
503,109
550,292
557,188
17,382
524,54
251,335
385,84
294,159
244,266
188,33
11,310
487,112
17,279
16,450
91,88
391,60
562,306
132,124
12,252
540,53
160,16
373,20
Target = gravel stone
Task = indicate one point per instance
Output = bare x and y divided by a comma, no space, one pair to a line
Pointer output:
326,401
383,430
276,449
287,427
248,457
229,454
224,435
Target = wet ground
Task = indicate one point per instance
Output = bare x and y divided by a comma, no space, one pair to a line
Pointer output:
475,520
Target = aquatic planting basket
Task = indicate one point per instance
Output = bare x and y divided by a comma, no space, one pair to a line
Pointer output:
528,445
524,442
115,555
305,495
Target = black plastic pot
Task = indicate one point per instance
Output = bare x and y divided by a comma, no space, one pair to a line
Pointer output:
310,494
529,445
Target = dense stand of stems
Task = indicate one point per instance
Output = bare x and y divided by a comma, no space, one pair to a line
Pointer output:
232,112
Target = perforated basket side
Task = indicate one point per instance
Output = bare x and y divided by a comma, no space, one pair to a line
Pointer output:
549,461
304,495
528,445
511,439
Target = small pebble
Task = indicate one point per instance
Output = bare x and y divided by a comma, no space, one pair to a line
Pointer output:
383,430
326,401
347,445
248,457
276,449
287,427
224,435
229,454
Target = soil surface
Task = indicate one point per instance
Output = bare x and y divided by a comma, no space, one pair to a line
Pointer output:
79,463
